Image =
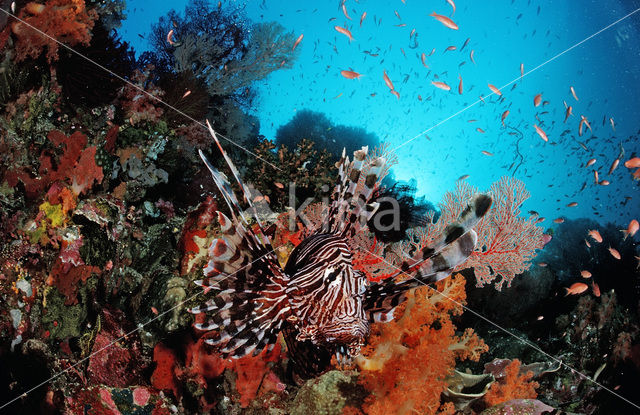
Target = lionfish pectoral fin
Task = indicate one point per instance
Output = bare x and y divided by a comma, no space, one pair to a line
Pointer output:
244,282
431,264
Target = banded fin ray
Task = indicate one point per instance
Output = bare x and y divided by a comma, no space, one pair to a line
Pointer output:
349,208
243,279
430,264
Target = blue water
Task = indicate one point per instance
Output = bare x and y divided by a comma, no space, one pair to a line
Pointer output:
435,140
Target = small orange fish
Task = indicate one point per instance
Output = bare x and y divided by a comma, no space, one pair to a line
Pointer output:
344,31
568,113
585,274
170,37
480,130
279,185
595,235
453,5
432,52
471,56
542,264
613,125
614,253
396,93
573,92
504,115
186,94
541,133
631,229
595,176
423,57
537,100
614,165
521,70
297,42
587,243
576,288
450,48
463,177
596,289
387,80
558,220
460,85
344,10
441,85
632,163
445,21
350,74
154,310
572,204
495,90
590,162
486,153
604,183
364,14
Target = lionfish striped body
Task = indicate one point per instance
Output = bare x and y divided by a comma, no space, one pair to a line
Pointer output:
319,301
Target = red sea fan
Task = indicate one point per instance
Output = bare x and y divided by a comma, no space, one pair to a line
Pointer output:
67,21
506,242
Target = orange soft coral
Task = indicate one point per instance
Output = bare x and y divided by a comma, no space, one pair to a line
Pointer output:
513,386
66,21
407,360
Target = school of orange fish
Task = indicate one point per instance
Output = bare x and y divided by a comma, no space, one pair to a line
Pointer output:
632,163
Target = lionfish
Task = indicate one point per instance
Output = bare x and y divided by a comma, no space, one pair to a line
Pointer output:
319,301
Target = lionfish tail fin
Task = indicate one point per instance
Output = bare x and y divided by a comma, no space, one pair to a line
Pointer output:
430,264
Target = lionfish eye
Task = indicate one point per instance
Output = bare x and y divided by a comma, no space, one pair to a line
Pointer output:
332,277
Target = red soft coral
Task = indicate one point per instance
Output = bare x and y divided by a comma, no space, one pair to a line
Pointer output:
67,277
66,21
76,166
407,360
85,171
513,386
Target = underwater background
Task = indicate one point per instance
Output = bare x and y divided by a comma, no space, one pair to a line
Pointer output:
107,211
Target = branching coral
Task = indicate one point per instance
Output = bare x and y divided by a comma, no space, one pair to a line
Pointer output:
67,21
407,360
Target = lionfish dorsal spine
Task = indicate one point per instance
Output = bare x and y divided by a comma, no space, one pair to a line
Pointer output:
349,208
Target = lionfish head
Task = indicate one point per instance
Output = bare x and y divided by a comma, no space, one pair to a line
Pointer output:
327,293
